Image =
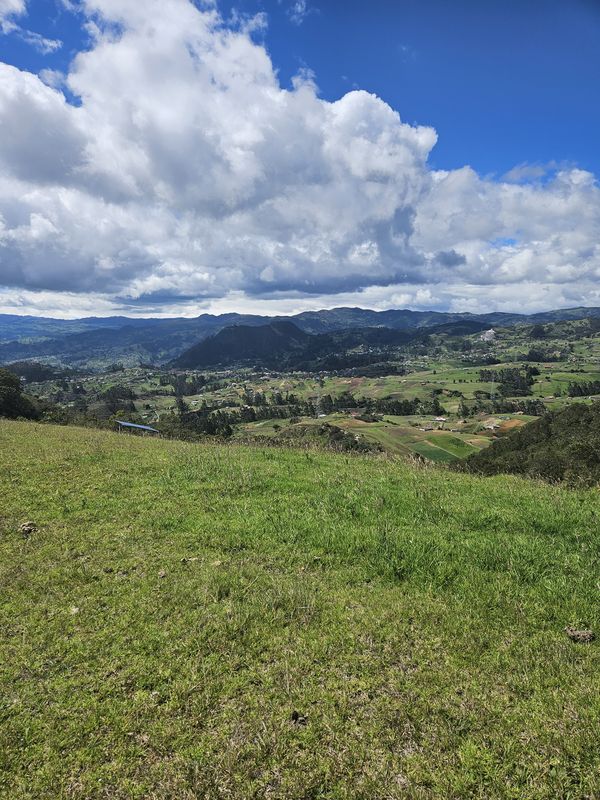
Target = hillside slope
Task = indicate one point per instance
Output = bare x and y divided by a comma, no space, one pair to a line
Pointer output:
561,446
240,343
282,345
210,622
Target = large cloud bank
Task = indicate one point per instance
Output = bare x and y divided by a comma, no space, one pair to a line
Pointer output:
186,176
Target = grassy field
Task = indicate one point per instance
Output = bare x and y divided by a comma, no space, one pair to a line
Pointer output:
234,622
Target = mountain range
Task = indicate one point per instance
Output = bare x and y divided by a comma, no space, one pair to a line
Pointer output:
96,342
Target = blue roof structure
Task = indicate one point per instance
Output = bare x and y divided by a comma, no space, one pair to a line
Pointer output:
138,427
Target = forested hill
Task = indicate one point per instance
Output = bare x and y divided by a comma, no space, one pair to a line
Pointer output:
283,345
561,445
244,342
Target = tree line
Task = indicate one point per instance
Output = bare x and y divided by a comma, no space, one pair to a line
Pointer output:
583,389
512,381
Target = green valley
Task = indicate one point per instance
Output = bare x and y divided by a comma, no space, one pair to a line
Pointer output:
442,394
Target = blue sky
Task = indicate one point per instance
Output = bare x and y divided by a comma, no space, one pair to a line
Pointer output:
166,158
502,81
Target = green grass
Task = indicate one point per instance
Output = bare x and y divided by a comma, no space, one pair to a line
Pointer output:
179,603
453,444
433,453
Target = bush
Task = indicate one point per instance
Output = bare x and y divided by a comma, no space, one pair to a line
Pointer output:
13,403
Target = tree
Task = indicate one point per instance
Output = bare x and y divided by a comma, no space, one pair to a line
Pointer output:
247,414
325,404
182,406
463,409
13,403
538,332
118,398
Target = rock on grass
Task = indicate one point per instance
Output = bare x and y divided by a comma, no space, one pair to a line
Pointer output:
580,636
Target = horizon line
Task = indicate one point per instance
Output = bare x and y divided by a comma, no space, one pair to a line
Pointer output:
297,314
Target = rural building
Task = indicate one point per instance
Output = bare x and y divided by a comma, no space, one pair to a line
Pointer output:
132,426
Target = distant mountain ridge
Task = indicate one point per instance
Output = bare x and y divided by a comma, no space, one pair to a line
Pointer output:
93,341
14,327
